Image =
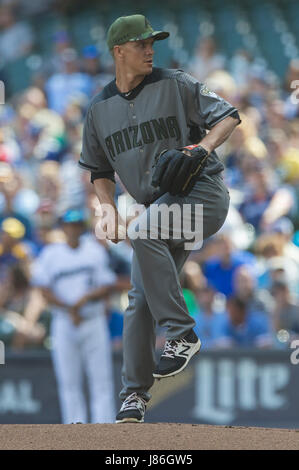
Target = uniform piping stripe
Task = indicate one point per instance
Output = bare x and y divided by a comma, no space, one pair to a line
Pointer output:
222,116
84,165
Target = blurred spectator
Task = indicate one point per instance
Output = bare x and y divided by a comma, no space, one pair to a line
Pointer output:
192,280
9,148
274,113
46,227
49,182
265,202
285,228
245,152
241,234
12,250
240,68
209,320
15,296
67,84
34,7
245,329
258,92
285,314
72,193
277,143
10,186
16,38
222,83
192,275
246,289
55,63
291,105
15,293
115,323
288,166
93,67
206,59
273,264
73,117
16,330
220,269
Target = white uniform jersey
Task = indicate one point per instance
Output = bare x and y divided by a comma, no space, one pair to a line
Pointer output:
72,272
84,349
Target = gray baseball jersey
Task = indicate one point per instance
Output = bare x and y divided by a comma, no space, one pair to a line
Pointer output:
123,132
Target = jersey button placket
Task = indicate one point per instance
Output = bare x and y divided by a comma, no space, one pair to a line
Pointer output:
141,149
131,106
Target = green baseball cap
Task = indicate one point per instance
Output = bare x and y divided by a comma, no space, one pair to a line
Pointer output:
132,28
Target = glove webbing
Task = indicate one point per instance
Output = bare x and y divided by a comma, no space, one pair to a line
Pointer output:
197,169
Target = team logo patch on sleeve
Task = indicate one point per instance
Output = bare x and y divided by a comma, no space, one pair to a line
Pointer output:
205,91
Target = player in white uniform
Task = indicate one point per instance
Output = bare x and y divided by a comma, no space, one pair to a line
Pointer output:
74,277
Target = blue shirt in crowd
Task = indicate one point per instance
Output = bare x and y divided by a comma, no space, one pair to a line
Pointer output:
60,88
256,329
209,328
221,277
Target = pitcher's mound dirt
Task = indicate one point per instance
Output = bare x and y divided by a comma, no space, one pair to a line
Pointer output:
158,436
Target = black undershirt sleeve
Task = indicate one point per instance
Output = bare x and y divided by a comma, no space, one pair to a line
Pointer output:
95,175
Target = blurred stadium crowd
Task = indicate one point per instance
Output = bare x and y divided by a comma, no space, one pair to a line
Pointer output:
242,287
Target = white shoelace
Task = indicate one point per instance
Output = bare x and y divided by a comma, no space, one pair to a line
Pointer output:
132,402
171,347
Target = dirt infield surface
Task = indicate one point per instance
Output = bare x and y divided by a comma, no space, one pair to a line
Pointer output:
160,436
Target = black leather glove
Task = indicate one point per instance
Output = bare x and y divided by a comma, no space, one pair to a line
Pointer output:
175,172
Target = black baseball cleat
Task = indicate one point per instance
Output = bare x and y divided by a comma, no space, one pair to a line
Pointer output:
132,410
176,355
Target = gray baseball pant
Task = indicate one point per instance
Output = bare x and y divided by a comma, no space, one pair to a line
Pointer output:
156,296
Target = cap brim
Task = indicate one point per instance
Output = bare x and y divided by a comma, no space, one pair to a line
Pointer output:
157,35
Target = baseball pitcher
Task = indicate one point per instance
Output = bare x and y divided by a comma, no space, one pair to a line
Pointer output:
149,125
